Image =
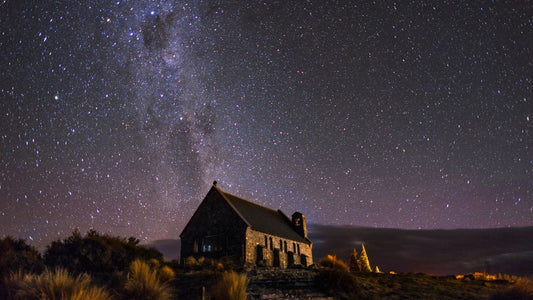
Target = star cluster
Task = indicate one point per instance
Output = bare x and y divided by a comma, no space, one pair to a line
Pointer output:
118,115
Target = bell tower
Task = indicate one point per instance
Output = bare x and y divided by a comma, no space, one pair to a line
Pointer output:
298,221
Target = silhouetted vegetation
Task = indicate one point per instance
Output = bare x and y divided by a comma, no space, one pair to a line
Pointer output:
360,263
17,255
101,256
354,262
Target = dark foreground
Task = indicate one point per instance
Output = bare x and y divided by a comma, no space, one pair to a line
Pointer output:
310,284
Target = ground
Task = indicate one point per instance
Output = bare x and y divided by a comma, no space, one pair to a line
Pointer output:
302,284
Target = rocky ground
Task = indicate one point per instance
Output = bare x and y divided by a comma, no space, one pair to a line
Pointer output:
302,284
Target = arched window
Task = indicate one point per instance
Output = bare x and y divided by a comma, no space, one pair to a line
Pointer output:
293,247
285,243
298,248
280,245
266,242
271,244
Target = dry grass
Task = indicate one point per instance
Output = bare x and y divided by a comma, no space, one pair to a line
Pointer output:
166,274
144,282
57,284
332,262
231,286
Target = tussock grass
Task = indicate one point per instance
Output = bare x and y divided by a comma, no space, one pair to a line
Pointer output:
231,286
331,261
166,274
58,284
144,282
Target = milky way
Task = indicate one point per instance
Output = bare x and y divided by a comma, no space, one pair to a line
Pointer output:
119,115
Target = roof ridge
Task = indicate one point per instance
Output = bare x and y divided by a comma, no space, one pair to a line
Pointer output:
248,201
224,196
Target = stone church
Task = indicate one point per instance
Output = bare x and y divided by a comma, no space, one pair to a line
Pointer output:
228,226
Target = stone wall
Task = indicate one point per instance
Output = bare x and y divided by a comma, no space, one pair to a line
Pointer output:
265,250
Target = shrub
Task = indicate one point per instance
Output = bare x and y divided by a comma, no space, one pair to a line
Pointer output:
331,262
145,283
17,255
231,286
354,262
57,284
99,255
191,262
219,266
201,261
166,274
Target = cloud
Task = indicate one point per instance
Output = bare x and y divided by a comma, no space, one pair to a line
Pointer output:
442,252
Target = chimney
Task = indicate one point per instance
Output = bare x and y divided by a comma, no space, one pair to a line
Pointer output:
298,220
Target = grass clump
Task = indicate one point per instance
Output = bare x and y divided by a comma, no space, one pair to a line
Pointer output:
166,274
143,282
231,286
331,262
57,284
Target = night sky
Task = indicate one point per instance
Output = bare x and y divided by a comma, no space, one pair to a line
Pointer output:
118,115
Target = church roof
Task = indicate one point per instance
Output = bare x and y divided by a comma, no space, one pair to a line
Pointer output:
263,219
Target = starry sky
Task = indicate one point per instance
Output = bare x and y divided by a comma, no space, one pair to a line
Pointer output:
118,115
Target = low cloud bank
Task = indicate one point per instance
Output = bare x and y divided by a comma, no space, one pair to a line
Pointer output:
439,252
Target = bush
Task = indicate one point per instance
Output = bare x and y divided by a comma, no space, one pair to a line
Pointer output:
231,286
332,262
102,256
166,274
58,284
191,263
144,282
17,255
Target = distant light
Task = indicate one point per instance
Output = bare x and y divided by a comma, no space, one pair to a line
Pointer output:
152,12
56,97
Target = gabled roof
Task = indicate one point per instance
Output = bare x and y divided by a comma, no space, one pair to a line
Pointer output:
263,219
